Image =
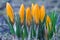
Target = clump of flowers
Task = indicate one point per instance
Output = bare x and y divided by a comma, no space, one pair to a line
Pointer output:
28,19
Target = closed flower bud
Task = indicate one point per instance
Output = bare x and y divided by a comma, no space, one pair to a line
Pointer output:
9,12
42,13
21,13
28,16
48,22
36,13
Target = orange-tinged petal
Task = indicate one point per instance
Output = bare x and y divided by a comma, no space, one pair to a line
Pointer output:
42,13
48,22
28,16
36,13
21,13
9,12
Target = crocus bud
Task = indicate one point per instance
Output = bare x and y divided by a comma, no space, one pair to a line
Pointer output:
42,13
21,13
9,12
36,13
28,16
48,22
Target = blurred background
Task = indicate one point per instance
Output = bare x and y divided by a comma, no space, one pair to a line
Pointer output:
50,5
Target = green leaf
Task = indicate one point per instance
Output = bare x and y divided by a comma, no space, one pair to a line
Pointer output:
7,20
25,33
18,26
53,17
41,30
33,32
50,32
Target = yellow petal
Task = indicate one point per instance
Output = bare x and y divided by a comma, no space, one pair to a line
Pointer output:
21,13
42,13
9,12
36,13
48,22
28,16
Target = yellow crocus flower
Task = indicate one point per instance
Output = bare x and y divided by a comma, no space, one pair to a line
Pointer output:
36,13
32,9
42,13
21,13
28,16
48,22
9,12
